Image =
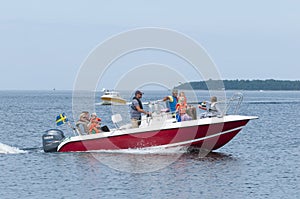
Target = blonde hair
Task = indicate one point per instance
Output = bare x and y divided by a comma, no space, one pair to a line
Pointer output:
82,115
181,93
213,99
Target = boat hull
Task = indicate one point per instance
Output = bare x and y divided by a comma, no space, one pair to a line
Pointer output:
110,100
209,135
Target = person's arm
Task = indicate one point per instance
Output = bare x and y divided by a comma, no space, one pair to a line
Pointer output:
138,108
170,98
177,107
96,129
203,105
166,98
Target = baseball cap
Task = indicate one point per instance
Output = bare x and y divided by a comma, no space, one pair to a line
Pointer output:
138,92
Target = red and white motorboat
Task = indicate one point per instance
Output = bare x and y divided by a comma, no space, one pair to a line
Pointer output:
159,131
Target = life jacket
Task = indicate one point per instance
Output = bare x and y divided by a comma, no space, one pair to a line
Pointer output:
172,103
182,99
213,108
181,108
140,104
93,128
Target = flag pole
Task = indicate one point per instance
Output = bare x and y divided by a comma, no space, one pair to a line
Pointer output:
73,128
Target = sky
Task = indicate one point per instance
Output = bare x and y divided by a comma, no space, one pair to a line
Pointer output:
44,43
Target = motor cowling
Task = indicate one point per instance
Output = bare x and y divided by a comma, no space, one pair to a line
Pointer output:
51,139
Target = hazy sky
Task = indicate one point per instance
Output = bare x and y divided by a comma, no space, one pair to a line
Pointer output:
43,43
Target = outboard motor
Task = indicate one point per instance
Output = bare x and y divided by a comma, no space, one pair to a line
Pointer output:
51,139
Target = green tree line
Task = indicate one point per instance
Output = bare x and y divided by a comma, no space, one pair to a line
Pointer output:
269,84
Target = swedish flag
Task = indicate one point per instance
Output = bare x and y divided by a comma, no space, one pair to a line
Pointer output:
61,119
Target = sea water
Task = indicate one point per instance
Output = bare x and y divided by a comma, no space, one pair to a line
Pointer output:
262,161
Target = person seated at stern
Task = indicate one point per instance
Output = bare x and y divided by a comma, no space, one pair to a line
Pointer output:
83,122
94,125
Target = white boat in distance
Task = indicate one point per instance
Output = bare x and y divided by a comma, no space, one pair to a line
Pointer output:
111,97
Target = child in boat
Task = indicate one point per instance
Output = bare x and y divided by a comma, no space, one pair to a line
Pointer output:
181,107
93,117
182,98
94,126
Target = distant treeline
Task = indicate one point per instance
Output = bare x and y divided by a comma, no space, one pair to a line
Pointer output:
269,84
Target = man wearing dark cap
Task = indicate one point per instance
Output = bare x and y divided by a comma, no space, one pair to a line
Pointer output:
136,109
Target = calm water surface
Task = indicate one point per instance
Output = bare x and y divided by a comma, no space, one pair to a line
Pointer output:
260,162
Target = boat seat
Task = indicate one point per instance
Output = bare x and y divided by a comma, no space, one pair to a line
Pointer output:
80,129
116,118
126,126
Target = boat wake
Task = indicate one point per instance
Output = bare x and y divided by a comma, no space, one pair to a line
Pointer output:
145,151
5,149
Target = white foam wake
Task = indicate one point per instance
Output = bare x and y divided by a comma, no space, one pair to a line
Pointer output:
9,149
142,151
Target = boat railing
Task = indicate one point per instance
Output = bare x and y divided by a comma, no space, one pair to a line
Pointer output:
234,103
230,106
159,112
158,107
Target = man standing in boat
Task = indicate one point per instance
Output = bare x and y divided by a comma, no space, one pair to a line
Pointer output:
136,109
172,100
